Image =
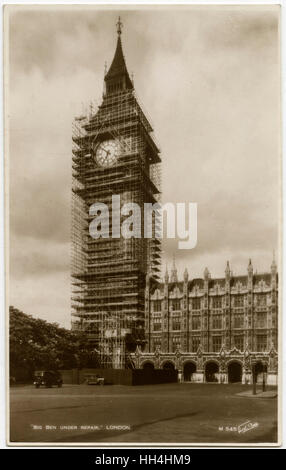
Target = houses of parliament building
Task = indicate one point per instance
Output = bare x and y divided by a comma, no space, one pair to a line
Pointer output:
215,330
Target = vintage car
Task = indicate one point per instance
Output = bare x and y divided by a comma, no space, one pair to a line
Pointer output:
94,379
47,378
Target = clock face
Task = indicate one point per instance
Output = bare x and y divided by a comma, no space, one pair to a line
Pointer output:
107,153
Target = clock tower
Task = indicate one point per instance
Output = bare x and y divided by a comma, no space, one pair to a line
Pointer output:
114,154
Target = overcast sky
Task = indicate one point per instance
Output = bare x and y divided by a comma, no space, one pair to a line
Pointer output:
209,79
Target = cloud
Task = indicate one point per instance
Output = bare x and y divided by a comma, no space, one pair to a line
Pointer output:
243,28
46,296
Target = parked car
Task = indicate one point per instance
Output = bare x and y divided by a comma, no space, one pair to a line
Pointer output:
92,379
47,378
12,380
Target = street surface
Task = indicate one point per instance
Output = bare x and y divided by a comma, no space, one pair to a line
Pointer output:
165,413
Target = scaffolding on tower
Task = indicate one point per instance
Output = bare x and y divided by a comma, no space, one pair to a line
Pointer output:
108,274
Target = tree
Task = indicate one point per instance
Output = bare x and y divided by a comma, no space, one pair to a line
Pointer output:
37,344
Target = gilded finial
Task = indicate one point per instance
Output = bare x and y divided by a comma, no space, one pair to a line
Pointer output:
119,26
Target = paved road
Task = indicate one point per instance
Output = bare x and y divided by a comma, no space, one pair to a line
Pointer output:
170,413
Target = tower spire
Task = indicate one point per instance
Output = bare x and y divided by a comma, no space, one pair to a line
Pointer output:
117,78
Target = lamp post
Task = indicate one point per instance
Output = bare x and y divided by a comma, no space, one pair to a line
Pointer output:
263,377
253,380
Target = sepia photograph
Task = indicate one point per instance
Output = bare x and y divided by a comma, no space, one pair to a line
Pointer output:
143,224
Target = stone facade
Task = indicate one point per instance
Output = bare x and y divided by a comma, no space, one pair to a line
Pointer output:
220,330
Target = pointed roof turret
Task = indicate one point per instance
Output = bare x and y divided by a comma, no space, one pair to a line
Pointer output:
117,77
174,274
166,277
227,269
186,275
206,274
250,267
273,264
